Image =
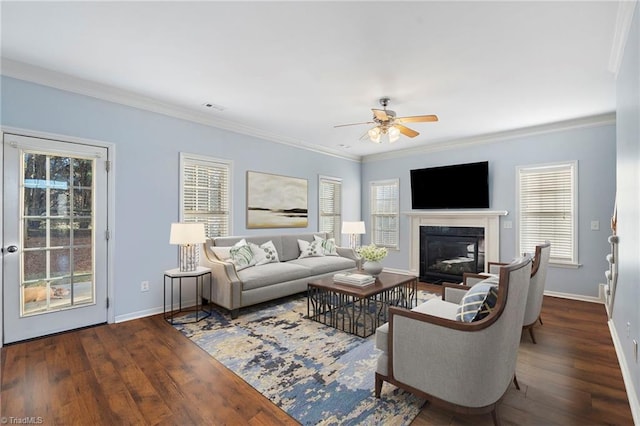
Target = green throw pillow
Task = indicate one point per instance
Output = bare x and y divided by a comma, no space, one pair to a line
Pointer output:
478,302
328,245
241,255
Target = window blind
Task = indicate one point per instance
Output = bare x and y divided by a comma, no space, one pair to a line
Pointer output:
205,194
547,210
384,213
330,204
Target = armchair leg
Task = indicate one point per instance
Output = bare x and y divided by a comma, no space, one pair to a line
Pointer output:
540,319
533,338
379,381
494,416
515,382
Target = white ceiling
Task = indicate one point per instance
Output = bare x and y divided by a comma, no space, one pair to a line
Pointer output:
290,71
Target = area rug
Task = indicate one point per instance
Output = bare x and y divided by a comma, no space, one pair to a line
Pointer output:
317,374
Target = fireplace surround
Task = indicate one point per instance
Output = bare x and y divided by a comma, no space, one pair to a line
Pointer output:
489,220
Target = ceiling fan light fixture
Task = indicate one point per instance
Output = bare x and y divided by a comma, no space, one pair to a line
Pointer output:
374,134
394,134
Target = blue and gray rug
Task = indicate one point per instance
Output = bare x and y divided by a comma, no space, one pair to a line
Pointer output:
317,374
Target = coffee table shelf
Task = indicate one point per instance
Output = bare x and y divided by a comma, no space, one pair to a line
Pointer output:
359,310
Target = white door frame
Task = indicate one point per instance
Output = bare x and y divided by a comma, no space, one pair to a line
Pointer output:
111,179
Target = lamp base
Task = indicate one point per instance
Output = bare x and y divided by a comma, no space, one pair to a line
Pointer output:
188,257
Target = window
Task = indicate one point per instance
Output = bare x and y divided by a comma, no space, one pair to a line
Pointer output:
384,213
205,193
330,205
546,201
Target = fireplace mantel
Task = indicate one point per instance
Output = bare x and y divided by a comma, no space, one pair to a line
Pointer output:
487,219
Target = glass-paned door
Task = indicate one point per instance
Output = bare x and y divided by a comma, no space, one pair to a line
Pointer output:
55,236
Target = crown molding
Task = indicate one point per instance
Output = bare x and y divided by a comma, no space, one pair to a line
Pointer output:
623,26
69,83
577,123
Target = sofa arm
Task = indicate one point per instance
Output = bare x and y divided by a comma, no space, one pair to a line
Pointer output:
226,284
350,253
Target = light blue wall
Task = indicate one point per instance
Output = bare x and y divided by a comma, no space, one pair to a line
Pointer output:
147,175
593,148
627,300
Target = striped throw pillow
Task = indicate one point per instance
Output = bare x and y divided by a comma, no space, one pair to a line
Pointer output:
479,302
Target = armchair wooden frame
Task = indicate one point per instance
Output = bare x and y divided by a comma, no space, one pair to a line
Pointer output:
458,326
535,267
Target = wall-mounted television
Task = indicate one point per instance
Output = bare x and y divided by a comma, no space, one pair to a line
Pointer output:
459,186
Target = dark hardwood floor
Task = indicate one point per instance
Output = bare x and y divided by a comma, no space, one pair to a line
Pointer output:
145,372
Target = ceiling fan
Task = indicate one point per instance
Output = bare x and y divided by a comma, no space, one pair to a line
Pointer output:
388,124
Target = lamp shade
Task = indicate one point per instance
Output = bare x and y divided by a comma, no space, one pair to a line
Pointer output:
353,228
187,233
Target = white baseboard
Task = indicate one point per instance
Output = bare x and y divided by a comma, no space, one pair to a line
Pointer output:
152,311
627,376
580,297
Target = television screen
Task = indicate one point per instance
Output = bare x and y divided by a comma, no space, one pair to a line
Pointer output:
460,186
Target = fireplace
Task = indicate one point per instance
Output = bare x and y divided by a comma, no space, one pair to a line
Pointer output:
488,220
447,252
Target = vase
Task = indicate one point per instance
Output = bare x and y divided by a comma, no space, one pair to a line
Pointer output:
372,268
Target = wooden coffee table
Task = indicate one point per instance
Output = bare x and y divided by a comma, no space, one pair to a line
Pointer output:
359,310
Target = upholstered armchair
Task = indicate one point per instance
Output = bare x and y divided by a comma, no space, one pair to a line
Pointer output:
536,287
465,366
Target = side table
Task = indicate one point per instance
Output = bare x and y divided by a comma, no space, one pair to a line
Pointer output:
175,275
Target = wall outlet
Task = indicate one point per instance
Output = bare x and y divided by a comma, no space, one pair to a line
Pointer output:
144,286
628,329
595,225
507,224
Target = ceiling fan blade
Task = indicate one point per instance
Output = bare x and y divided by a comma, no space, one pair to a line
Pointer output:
380,114
406,131
354,124
417,119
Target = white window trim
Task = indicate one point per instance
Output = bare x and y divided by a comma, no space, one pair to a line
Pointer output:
336,180
574,263
382,182
184,156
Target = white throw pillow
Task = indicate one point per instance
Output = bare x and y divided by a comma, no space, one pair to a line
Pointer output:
310,249
264,253
222,253
241,255
328,245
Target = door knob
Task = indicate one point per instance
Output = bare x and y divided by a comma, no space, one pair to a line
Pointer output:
12,249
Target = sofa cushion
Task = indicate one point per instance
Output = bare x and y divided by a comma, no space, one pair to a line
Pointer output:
324,264
479,302
382,337
438,308
264,253
271,273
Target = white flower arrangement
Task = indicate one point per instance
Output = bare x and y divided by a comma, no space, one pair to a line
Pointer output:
372,253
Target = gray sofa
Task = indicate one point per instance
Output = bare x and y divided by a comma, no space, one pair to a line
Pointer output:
234,289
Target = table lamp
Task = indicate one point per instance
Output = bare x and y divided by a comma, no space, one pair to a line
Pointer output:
353,229
188,236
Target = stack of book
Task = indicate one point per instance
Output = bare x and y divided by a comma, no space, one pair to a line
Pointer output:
351,278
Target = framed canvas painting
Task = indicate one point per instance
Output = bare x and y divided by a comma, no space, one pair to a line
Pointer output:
275,201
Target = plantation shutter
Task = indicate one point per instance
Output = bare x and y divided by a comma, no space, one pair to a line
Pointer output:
205,194
547,210
384,213
330,204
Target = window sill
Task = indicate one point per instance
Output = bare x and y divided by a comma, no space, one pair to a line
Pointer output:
565,265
